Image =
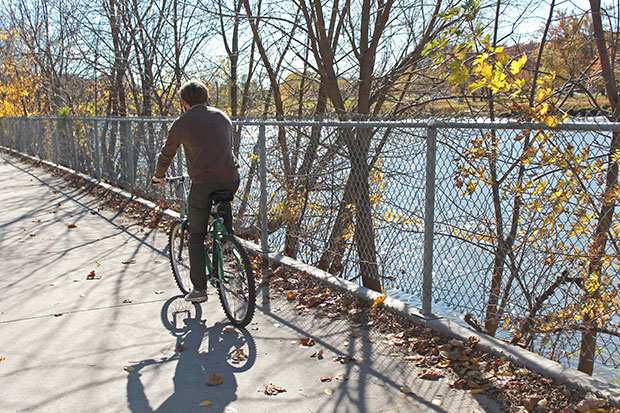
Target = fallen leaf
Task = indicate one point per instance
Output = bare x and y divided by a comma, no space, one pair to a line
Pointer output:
406,390
57,314
159,292
32,235
458,384
126,301
475,391
437,402
290,296
318,354
215,380
93,276
36,220
229,329
326,379
328,391
272,390
239,355
378,301
94,212
306,342
205,403
76,281
2,359
157,262
342,377
129,368
413,358
129,262
72,226
443,364
344,359
430,374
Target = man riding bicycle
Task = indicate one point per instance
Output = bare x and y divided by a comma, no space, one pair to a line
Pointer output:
206,135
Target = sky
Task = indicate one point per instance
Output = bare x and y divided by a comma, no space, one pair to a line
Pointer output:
533,25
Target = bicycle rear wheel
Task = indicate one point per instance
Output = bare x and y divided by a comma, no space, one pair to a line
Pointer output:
178,251
236,284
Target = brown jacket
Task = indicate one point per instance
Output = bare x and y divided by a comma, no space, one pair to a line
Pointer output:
206,135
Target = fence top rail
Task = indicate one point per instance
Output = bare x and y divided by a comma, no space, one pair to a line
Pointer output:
599,125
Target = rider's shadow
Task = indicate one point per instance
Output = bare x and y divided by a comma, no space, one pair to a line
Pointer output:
201,351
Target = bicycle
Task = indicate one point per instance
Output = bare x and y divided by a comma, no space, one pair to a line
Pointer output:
228,265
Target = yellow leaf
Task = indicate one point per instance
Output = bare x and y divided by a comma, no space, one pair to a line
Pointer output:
502,57
205,403
215,380
378,301
475,391
517,65
406,390
551,121
480,58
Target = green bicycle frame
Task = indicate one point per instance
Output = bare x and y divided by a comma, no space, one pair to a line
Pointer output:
217,230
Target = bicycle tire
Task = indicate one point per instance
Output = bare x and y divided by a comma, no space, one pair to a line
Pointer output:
237,290
179,257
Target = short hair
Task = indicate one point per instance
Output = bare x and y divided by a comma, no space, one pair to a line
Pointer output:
194,92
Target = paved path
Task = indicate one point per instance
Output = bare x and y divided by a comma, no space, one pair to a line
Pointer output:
128,342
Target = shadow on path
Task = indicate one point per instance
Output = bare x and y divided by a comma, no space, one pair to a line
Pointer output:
200,352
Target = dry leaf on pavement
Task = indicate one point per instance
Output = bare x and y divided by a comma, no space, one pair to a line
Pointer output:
326,379
93,276
72,226
205,403
344,359
430,374
239,355
272,390
215,380
129,262
406,390
306,342
318,354
342,377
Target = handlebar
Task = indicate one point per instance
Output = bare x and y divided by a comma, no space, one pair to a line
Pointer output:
180,178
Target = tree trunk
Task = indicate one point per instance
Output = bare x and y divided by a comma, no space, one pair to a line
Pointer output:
588,338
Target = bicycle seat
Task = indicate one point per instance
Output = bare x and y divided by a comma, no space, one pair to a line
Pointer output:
221,196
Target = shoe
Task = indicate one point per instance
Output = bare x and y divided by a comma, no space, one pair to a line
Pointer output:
197,296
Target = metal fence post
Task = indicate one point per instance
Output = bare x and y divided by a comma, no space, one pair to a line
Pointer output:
262,151
132,166
73,144
97,150
429,218
55,126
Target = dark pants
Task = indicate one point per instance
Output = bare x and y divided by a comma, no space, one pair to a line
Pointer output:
199,211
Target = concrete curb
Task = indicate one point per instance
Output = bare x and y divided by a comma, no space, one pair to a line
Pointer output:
547,368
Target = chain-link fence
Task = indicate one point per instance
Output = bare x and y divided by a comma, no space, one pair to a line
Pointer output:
510,226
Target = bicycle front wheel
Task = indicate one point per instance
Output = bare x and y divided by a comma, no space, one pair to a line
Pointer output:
178,250
236,282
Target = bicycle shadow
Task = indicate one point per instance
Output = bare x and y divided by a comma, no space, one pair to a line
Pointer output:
200,352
